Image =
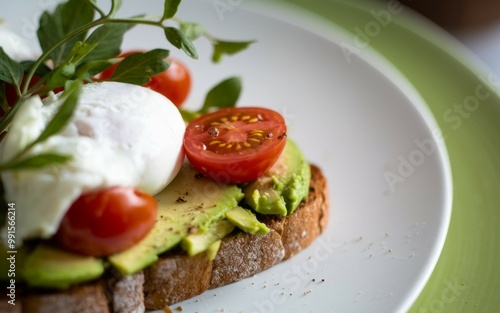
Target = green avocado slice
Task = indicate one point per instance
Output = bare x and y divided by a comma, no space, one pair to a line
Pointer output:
247,221
199,242
190,203
280,190
50,267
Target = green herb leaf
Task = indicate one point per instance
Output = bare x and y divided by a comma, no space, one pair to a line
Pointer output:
170,8
192,30
223,95
188,116
138,68
177,38
88,70
59,77
50,32
79,52
67,70
228,47
61,118
36,161
66,18
10,71
108,39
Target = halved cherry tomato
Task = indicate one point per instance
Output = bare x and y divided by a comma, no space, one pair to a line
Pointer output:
107,221
235,145
174,83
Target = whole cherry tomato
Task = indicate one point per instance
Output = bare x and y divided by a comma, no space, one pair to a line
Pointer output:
107,221
174,83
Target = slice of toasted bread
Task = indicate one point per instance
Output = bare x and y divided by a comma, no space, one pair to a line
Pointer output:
176,276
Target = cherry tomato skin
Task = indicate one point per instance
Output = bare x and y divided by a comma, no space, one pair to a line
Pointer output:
107,221
235,145
174,83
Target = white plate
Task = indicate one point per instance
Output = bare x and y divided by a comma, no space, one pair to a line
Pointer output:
356,117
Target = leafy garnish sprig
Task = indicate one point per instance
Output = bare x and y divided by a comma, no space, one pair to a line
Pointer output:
75,56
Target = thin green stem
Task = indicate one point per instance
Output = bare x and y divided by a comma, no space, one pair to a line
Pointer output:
113,9
18,91
61,41
134,21
101,12
8,118
209,37
5,107
36,87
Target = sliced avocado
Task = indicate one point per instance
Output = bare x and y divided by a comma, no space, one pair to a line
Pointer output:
199,242
51,267
213,250
189,203
281,189
246,221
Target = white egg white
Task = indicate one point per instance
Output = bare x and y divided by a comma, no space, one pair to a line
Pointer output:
120,134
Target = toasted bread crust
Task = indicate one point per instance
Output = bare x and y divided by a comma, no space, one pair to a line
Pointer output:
87,298
242,255
126,294
176,277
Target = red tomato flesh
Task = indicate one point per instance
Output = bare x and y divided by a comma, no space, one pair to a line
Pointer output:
174,83
107,221
235,145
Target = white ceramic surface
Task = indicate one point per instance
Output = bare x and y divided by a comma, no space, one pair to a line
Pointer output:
356,118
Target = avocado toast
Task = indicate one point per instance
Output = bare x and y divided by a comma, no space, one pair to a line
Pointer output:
175,275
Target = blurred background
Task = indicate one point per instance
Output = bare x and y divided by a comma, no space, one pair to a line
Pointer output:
458,15
474,23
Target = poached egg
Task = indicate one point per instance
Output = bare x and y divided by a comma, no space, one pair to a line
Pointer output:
120,134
